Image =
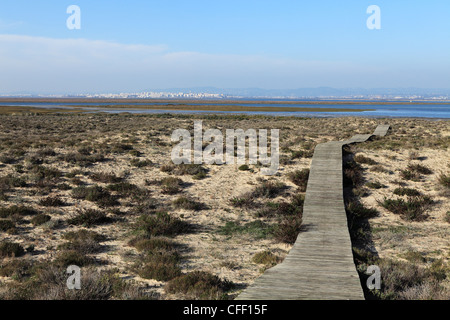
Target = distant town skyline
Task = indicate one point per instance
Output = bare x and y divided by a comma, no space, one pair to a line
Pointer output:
138,46
254,93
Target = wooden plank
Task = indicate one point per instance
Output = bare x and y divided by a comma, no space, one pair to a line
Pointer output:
320,265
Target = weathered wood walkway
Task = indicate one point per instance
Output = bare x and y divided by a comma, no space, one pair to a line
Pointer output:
320,265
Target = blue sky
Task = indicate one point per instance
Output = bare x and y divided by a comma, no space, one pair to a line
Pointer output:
139,45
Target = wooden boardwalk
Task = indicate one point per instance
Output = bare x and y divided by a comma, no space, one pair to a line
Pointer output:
320,265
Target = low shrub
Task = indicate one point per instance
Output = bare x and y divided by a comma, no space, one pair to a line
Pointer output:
160,271
353,174
271,209
407,192
375,185
125,189
413,208
161,224
135,162
407,174
359,211
16,268
267,258
301,154
160,259
82,160
83,241
89,218
244,167
40,219
72,257
256,229
147,205
152,244
52,202
6,225
105,177
188,169
11,249
288,229
188,204
10,181
199,285
171,185
300,178
364,160
95,194
244,201
269,189
15,210
444,179
419,168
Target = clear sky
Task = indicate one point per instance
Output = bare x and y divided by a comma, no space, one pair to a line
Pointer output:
127,46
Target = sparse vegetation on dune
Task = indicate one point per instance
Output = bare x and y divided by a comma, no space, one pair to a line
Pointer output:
100,191
399,223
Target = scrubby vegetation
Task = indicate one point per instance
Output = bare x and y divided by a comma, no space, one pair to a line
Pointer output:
100,191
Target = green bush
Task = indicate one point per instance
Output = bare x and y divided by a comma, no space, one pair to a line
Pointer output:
6,225
9,181
11,249
161,224
16,268
271,209
364,160
188,204
407,192
257,229
140,163
71,257
407,174
288,229
17,211
245,201
199,285
375,185
125,189
151,244
105,177
413,208
95,194
353,174
82,241
420,169
359,211
444,179
40,219
52,202
244,167
160,259
300,178
160,271
267,258
189,169
89,218
171,185
269,189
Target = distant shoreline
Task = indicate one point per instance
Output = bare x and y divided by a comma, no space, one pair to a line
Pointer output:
219,101
212,108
